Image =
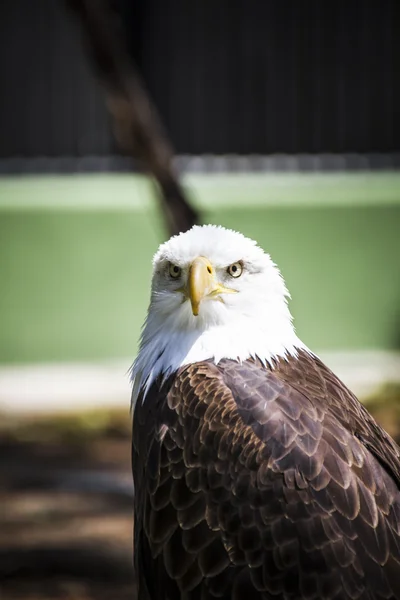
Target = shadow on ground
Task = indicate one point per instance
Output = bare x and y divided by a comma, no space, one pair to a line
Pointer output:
66,531
66,504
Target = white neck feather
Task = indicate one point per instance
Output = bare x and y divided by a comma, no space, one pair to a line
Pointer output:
165,347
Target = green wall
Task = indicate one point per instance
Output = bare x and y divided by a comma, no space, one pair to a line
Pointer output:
76,256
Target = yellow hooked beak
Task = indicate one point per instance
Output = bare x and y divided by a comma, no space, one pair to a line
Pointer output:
202,283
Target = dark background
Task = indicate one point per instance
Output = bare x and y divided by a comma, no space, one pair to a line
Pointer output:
228,76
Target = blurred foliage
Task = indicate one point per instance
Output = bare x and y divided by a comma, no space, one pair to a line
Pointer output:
384,405
68,427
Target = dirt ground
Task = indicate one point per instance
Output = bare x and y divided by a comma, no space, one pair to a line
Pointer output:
66,504
66,514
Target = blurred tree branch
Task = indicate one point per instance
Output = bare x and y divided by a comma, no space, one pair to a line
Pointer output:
137,125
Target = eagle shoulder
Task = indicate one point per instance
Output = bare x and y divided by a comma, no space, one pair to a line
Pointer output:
252,479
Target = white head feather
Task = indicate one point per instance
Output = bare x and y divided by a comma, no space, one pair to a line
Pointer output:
254,322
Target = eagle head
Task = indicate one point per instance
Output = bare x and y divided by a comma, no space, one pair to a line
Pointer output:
215,294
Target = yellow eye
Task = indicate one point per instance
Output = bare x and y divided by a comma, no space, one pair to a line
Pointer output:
174,271
235,270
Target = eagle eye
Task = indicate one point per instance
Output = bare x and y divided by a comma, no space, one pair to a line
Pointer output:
235,270
174,271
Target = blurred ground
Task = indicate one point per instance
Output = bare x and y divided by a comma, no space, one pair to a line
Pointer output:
66,531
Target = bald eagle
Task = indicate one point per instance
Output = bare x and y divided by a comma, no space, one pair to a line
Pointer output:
258,474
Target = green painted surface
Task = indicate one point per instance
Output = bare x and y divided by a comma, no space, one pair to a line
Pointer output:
76,257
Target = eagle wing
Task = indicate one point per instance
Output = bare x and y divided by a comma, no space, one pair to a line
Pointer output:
260,483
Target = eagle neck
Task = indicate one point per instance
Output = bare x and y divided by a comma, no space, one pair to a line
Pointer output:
164,350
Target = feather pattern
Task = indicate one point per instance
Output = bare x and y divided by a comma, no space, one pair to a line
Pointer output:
263,481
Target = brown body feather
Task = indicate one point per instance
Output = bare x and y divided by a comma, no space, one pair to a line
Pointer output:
256,483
